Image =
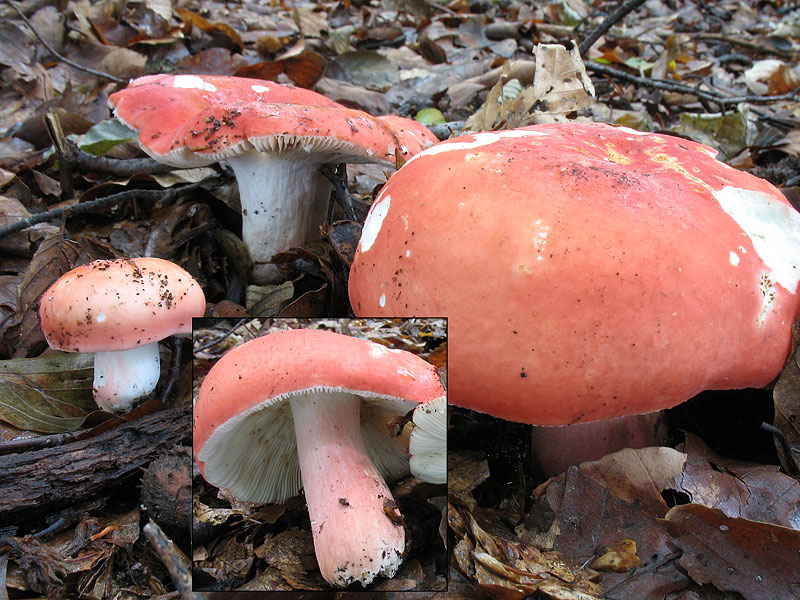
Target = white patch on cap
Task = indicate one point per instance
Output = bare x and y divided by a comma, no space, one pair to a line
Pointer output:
376,350
101,317
259,89
382,300
192,81
773,228
476,140
408,253
734,259
374,221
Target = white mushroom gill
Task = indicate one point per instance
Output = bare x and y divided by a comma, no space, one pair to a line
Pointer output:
773,229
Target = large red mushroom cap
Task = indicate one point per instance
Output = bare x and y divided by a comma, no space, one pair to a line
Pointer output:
274,137
120,309
316,403
587,271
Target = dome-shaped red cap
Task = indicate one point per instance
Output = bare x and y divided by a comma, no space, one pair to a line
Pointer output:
119,304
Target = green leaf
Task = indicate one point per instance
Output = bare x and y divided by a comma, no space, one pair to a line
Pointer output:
105,135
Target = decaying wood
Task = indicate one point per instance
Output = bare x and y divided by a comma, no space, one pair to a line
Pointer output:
42,480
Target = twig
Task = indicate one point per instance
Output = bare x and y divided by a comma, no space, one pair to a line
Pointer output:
341,196
56,133
60,57
114,166
744,43
174,560
216,341
174,370
70,153
103,202
675,86
608,23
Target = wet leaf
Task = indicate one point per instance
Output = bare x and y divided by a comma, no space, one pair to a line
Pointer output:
758,560
786,396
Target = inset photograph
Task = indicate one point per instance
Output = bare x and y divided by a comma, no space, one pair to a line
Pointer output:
321,454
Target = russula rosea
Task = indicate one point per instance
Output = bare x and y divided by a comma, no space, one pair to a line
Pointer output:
587,271
427,443
120,309
317,404
274,137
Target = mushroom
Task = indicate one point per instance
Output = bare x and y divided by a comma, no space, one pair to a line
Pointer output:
120,309
427,443
316,403
587,271
274,137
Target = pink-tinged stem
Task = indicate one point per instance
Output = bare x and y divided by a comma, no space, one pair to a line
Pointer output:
354,537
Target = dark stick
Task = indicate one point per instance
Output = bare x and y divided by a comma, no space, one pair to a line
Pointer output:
103,202
674,86
38,481
608,23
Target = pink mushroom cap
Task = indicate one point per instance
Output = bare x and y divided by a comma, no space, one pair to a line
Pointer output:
274,137
588,271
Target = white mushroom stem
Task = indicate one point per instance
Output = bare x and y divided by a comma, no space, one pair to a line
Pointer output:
284,201
122,377
354,537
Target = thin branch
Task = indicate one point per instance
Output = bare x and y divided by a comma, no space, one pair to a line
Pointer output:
103,202
676,86
608,23
60,57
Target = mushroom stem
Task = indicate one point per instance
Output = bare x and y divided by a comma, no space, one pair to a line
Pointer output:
557,448
123,376
284,201
354,537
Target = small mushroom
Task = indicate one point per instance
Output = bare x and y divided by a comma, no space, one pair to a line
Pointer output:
120,309
587,271
316,403
274,137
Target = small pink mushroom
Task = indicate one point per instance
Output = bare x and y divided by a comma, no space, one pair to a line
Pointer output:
316,404
120,309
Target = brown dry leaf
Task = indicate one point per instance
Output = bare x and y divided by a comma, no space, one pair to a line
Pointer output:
191,19
786,396
600,502
23,242
740,489
758,560
311,24
505,569
560,82
304,68
54,257
290,552
619,557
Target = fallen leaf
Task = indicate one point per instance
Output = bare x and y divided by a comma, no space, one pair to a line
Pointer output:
758,560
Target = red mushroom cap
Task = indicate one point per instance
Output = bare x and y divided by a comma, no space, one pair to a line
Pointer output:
110,305
587,271
194,120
